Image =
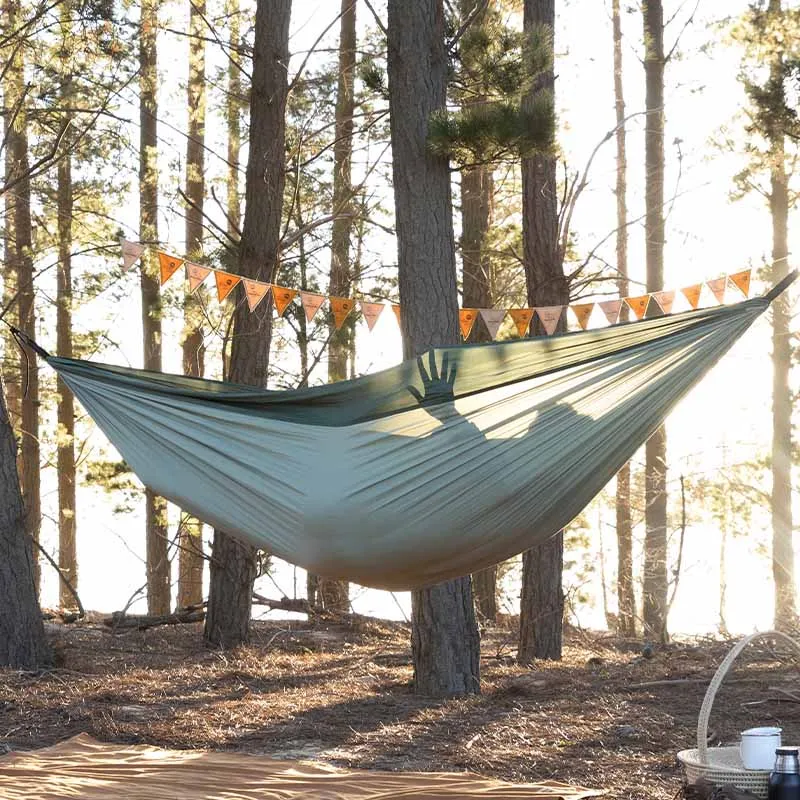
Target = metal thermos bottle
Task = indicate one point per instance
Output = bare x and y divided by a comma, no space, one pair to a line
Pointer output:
784,780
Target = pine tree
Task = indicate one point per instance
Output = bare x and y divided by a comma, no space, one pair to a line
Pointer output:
655,584
233,561
190,558
158,566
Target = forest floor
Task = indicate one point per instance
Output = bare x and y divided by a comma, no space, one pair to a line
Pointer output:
604,717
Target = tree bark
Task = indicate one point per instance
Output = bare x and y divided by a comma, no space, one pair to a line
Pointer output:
22,640
654,603
334,595
232,565
781,495
158,566
626,598
65,459
444,640
542,598
17,145
190,538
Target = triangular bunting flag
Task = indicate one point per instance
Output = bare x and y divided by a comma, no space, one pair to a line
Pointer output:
493,319
550,316
664,300
717,286
582,312
638,304
225,283
169,265
282,297
371,312
341,307
611,309
256,291
396,310
692,294
522,319
311,303
131,251
741,280
466,319
196,273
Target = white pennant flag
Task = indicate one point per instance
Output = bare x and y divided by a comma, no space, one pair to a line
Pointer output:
550,316
493,319
371,312
131,252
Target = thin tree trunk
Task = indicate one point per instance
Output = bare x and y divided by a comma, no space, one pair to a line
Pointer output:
626,598
232,114
190,558
158,567
444,635
542,598
233,561
781,498
67,555
22,639
335,594
17,145
654,603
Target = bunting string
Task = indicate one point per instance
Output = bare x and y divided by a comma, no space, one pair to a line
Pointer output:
580,314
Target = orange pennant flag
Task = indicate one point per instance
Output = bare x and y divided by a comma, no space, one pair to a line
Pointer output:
131,252
466,319
396,310
196,274
522,319
664,300
169,265
225,283
741,280
582,312
638,304
717,286
493,319
311,303
692,294
550,316
256,291
611,309
341,307
371,312
283,297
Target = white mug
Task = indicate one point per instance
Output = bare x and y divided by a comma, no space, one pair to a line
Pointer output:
758,747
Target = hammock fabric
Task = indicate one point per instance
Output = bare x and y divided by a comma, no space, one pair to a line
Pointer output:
426,471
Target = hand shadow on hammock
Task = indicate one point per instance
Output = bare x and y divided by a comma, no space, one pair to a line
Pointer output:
438,399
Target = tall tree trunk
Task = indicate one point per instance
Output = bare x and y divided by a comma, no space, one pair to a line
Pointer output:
626,598
444,635
654,590
17,145
190,558
335,594
477,201
233,561
542,598
158,566
232,114
22,640
781,499
67,555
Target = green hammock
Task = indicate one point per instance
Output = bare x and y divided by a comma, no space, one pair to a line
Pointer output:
426,471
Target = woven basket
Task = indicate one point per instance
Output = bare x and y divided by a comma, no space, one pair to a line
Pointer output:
723,765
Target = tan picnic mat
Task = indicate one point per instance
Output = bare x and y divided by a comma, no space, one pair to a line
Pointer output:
84,768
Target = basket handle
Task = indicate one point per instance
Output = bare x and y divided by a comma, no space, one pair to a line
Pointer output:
716,682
